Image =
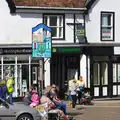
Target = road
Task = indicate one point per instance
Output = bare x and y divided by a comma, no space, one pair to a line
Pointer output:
101,110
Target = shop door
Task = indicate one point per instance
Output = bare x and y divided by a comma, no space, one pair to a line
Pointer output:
99,79
116,80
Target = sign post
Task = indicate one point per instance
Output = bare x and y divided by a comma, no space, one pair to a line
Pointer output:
41,48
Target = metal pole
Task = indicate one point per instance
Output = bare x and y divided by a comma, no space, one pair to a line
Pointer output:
41,76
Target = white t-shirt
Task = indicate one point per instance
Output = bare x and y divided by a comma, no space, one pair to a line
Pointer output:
73,89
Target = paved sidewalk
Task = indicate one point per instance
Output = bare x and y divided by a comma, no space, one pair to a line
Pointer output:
101,110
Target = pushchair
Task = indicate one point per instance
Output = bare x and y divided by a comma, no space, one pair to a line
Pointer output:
85,97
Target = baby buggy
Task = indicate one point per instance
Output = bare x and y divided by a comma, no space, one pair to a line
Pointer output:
85,97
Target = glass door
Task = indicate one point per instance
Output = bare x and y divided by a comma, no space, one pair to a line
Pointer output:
116,79
100,79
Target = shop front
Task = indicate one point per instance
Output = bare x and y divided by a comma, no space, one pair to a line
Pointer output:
65,63
18,63
104,72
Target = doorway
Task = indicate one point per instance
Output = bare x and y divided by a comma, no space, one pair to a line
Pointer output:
99,75
100,79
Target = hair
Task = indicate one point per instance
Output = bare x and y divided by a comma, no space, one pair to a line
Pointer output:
3,82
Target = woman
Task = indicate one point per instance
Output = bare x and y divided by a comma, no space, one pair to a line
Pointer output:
81,85
74,93
3,89
53,96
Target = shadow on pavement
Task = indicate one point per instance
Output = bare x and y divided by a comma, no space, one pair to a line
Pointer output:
74,113
80,108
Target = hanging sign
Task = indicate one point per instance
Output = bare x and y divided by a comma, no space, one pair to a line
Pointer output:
41,41
80,32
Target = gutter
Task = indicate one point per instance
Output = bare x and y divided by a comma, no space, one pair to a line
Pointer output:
50,8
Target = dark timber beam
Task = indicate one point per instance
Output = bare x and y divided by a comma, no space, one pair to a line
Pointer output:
11,6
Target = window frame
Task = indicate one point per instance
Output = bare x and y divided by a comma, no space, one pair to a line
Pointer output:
63,16
113,26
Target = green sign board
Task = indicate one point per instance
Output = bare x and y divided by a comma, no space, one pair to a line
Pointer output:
66,50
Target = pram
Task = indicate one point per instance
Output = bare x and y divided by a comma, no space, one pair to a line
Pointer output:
85,97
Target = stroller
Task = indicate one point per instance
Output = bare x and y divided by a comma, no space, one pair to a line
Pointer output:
85,97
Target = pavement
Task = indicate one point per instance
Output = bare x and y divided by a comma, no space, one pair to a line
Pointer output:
101,110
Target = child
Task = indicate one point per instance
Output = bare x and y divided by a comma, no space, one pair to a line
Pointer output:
86,99
27,101
35,99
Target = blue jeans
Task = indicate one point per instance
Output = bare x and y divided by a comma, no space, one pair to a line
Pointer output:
11,98
62,106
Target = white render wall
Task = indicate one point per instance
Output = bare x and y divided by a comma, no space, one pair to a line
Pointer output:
83,67
93,20
17,29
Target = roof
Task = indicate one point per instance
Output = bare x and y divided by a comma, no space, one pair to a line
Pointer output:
51,3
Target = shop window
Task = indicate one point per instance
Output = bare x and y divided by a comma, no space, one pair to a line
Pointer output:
116,72
104,74
57,25
96,74
107,26
34,75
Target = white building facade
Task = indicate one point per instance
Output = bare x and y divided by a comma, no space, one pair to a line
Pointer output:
102,32
67,58
95,57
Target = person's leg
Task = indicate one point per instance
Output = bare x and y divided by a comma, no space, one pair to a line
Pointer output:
73,100
10,98
62,106
79,97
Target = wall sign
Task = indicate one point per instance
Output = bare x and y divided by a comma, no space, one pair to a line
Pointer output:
67,50
41,41
80,32
7,51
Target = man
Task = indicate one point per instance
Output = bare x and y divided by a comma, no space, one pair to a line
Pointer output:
10,83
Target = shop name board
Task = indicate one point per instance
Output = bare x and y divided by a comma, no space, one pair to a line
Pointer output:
66,50
15,51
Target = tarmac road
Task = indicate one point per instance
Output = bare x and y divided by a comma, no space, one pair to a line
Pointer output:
101,110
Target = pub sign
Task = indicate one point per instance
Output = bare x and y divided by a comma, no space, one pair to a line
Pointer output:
41,41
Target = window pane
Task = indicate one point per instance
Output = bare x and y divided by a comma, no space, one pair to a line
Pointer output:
106,32
106,19
118,74
54,32
25,78
60,32
114,73
96,75
60,21
104,73
45,20
53,20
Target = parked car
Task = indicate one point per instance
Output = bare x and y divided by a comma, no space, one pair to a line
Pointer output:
17,112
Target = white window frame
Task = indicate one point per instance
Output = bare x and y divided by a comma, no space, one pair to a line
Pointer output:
58,25
107,26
